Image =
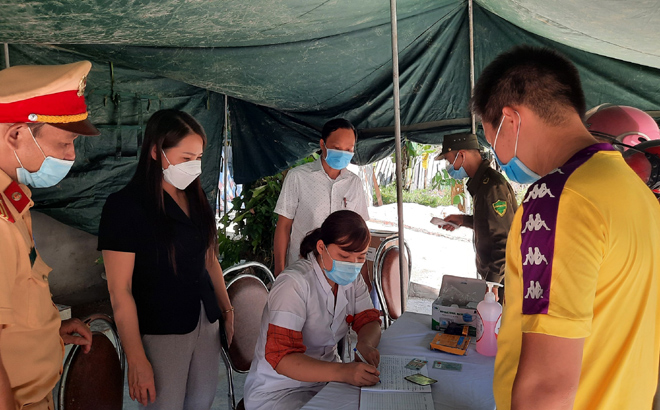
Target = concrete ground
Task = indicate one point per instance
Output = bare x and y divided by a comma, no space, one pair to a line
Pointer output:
221,401
435,253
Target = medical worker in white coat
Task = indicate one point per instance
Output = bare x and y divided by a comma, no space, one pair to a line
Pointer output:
310,308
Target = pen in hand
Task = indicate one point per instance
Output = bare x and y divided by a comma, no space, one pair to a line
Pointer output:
357,352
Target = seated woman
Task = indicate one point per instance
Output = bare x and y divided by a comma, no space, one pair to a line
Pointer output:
309,310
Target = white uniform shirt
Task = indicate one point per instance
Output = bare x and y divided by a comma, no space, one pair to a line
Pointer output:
302,300
309,196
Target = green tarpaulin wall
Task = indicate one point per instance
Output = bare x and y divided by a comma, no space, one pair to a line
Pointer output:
288,66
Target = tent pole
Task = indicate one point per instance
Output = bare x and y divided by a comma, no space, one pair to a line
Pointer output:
225,148
471,28
404,274
6,55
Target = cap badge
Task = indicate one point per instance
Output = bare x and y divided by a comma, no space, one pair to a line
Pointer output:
81,86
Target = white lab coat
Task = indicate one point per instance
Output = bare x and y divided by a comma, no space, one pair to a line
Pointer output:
302,300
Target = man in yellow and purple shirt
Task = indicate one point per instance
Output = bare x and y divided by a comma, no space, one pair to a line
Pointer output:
580,325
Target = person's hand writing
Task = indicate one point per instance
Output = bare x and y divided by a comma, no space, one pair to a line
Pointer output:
370,354
360,374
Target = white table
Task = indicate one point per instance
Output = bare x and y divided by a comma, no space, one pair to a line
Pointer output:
411,335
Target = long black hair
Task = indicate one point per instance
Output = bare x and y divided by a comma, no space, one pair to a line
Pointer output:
345,229
165,129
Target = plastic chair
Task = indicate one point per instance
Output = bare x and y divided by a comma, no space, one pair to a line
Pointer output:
94,380
387,279
248,295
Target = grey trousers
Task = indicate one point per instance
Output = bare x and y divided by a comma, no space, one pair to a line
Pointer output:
185,367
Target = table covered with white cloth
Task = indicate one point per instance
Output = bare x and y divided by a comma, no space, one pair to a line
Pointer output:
411,335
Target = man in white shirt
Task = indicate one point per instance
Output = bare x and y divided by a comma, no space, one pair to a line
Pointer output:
314,190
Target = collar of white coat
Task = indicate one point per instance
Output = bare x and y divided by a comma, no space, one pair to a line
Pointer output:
318,166
319,273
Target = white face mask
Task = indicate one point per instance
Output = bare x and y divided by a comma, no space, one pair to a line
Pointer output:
181,175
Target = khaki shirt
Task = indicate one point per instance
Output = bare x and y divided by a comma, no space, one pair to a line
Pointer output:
30,345
494,207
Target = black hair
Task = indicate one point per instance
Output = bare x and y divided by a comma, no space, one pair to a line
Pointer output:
165,129
345,229
334,125
539,78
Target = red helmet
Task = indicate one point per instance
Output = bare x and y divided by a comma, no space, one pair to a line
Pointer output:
628,125
644,159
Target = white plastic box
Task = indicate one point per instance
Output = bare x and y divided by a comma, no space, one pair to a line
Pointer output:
457,302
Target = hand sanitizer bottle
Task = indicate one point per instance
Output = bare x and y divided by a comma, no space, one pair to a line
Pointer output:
489,312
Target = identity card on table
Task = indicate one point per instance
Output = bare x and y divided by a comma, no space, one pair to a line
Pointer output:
394,391
393,374
443,365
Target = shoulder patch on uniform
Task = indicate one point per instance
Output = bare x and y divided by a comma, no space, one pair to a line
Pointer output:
4,212
500,207
18,198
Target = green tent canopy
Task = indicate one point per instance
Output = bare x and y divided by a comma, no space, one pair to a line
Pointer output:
287,66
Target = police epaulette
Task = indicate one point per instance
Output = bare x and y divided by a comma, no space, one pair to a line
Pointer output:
4,212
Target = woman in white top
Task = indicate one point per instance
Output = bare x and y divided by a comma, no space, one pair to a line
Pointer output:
309,309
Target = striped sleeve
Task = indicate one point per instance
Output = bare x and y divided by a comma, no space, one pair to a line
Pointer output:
563,237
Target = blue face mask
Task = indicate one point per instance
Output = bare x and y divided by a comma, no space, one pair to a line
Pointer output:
51,172
337,159
342,273
456,173
515,169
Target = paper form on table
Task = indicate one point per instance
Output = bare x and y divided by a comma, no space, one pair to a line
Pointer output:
393,372
379,400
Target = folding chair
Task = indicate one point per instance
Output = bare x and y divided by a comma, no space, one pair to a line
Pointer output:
248,295
94,380
387,278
